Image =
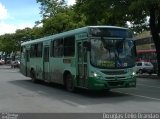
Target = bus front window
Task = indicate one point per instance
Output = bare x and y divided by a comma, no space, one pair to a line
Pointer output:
112,53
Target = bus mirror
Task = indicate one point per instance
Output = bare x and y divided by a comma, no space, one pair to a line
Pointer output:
87,45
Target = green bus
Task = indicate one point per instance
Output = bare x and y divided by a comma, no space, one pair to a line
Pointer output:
92,57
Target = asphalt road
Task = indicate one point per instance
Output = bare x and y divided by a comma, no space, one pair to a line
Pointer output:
19,94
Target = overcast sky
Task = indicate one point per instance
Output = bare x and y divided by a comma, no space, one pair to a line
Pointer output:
18,14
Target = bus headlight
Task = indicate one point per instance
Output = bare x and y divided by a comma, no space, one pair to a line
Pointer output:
133,73
96,75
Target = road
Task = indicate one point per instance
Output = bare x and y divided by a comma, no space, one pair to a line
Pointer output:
19,94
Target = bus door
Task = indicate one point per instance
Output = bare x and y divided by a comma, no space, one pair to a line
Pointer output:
82,64
46,63
27,62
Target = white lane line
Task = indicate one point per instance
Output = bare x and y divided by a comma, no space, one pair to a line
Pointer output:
141,96
148,86
74,104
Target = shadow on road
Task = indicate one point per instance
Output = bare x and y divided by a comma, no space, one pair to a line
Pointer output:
83,97
51,87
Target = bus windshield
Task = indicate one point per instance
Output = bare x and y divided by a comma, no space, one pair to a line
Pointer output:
112,53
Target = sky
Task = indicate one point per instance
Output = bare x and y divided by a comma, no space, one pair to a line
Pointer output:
19,14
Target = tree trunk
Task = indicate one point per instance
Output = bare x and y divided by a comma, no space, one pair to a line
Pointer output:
155,34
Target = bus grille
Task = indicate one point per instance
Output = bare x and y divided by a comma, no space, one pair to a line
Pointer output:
120,83
118,72
116,78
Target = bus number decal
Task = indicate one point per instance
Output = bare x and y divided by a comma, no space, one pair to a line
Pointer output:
106,63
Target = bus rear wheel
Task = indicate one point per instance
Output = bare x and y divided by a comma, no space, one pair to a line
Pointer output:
33,76
69,84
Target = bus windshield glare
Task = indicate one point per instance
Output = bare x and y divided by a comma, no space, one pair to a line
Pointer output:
112,53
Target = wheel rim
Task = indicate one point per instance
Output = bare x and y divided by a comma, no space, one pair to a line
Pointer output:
33,76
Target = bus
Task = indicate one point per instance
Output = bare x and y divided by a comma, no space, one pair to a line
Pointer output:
92,57
148,56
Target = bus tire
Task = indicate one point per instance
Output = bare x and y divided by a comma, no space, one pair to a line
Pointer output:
33,76
69,84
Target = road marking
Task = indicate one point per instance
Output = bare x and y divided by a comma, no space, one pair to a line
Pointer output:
148,86
74,104
141,96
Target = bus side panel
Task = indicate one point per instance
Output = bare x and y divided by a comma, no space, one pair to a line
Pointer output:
23,61
56,70
23,67
58,66
37,65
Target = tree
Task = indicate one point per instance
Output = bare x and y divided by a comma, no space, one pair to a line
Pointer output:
150,8
23,35
8,43
51,7
27,34
58,17
100,12
11,42
62,21
37,32
118,12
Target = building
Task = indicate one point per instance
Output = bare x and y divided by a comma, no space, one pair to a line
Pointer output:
146,49
144,41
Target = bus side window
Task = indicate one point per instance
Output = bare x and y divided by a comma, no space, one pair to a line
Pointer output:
85,49
69,46
39,49
52,49
55,49
58,48
22,52
33,52
27,55
46,54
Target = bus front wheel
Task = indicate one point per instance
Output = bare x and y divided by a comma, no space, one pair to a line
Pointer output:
69,84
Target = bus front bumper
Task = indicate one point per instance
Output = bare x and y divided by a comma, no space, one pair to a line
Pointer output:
97,84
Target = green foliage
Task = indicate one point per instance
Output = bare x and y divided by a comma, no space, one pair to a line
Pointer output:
58,17
24,34
37,32
63,21
102,12
11,42
8,43
117,12
51,7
